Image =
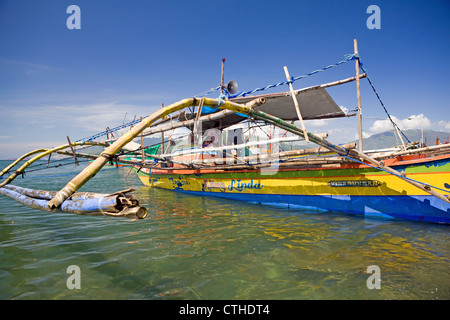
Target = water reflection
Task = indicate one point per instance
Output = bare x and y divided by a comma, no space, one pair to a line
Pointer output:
291,254
193,247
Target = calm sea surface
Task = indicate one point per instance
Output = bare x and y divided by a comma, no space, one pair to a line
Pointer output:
193,247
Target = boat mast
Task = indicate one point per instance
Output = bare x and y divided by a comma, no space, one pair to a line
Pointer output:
358,96
221,76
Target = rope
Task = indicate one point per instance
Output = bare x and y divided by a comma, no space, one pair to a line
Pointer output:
379,99
207,92
103,133
348,58
75,173
221,99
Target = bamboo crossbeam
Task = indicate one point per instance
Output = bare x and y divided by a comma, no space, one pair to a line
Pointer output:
332,84
293,163
295,130
286,161
236,146
121,161
413,151
339,82
214,116
285,155
206,163
293,153
347,146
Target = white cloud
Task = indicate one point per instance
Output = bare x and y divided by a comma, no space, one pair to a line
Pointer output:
318,123
27,67
99,116
444,125
94,117
415,122
412,122
18,148
31,126
364,134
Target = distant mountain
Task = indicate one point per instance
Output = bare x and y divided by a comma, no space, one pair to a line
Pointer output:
388,139
150,141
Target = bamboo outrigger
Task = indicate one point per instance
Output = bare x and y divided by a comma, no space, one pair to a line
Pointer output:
118,204
406,184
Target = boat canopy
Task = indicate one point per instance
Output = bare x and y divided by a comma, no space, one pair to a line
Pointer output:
315,103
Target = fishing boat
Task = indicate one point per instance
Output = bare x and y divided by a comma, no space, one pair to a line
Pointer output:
408,182
389,184
292,167
342,186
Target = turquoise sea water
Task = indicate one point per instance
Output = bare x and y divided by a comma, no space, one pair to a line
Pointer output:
192,247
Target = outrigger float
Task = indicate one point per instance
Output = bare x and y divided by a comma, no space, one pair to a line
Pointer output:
216,159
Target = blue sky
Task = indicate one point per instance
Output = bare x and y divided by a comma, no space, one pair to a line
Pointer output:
131,56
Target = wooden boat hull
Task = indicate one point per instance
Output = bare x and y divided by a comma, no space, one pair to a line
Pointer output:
351,188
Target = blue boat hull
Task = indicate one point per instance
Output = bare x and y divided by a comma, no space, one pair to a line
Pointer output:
424,208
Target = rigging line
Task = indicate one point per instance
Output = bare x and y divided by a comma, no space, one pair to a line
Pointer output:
278,143
379,99
204,93
100,134
348,58
56,166
75,173
52,161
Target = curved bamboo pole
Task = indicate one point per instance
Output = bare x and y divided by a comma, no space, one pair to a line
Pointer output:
43,153
109,152
12,165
